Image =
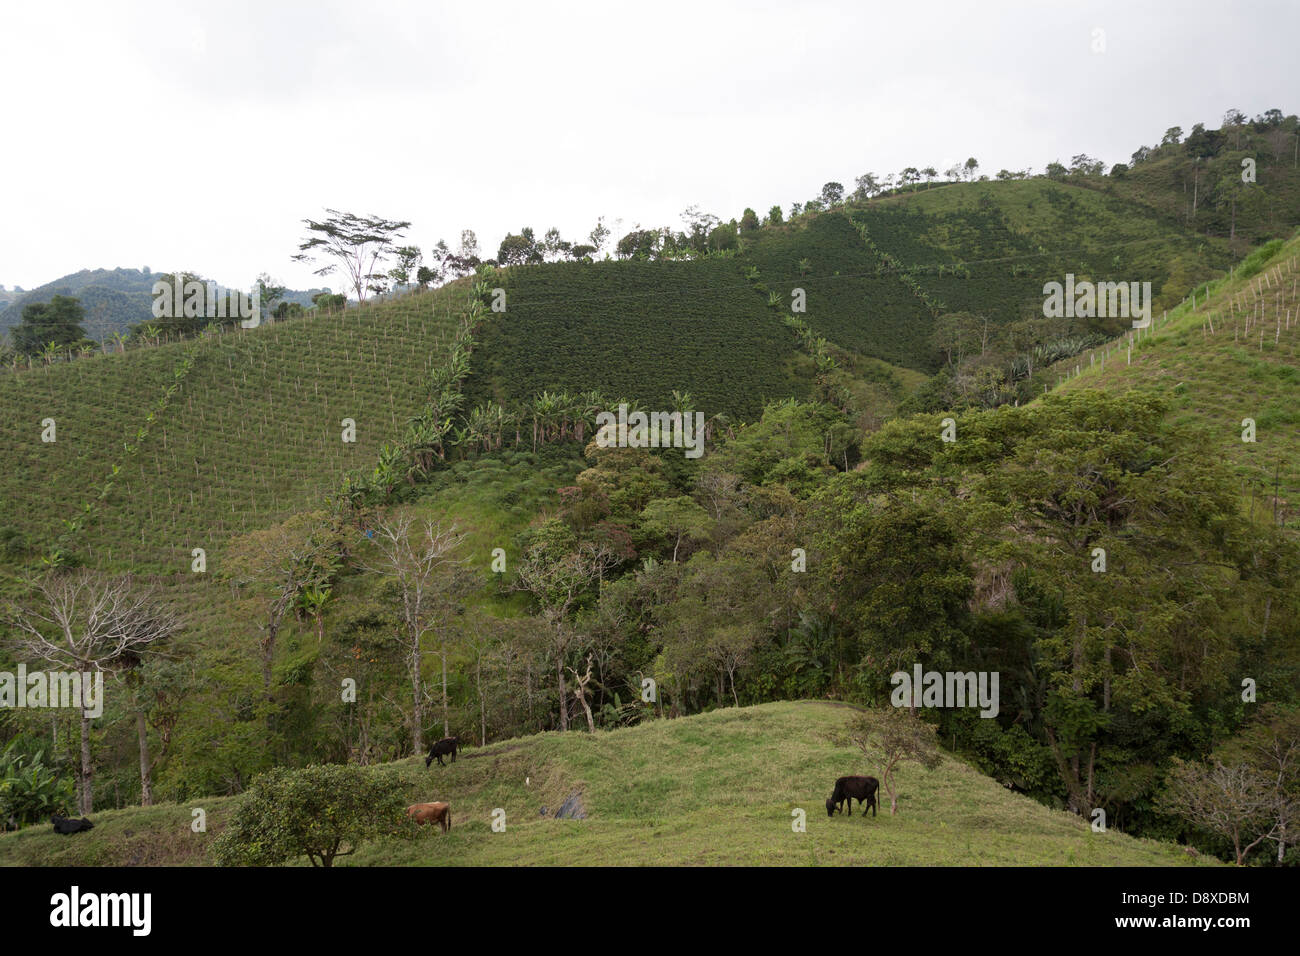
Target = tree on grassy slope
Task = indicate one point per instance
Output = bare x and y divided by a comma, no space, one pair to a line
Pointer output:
321,813
891,736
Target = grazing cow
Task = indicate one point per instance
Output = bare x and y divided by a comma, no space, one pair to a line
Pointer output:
445,746
423,813
66,825
862,789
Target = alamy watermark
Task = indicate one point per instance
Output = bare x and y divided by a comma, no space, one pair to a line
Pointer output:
651,430
1101,300
57,689
946,689
205,300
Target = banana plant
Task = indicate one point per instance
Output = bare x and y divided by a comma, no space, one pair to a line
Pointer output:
30,789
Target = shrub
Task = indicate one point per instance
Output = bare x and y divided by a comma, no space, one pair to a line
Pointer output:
30,789
314,812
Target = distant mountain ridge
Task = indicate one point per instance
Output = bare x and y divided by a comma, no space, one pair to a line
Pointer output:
114,299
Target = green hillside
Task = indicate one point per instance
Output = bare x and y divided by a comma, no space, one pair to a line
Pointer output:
1247,367
917,549
875,274
253,434
714,789
638,330
1011,237
113,299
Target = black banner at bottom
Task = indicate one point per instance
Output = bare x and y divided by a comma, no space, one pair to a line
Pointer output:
346,903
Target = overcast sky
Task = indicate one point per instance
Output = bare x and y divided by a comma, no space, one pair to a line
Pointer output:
198,136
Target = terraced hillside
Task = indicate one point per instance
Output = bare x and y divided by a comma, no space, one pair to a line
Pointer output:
717,788
1234,356
638,330
876,275
252,432
998,242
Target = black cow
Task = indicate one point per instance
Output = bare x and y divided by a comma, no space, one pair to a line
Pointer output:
862,789
445,746
66,825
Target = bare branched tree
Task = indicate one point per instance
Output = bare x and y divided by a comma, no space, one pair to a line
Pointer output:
892,735
558,578
85,622
357,244
423,562
580,692
1235,802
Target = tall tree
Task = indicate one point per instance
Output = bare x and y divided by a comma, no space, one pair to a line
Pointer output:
57,321
599,236
357,244
560,571
280,563
408,260
867,186
422,563
86,622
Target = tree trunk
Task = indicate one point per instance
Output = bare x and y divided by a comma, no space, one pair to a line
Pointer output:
268,656
146,786
443,655
581,694
417,704
84,774
482,705
564,701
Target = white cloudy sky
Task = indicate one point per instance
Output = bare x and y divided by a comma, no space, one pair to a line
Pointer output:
199,135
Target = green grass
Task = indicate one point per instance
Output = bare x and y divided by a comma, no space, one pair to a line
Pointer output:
1014,236
1213,382
714,789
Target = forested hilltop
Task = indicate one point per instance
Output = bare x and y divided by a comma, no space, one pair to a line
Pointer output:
113,300
350,531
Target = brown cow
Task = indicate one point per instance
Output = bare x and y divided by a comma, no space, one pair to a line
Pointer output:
423,813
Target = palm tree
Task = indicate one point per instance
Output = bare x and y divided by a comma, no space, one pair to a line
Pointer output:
713,423
502,419
478,426
313,599
589,405
546,411
388,471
